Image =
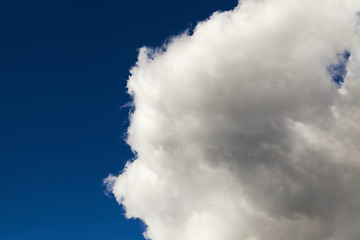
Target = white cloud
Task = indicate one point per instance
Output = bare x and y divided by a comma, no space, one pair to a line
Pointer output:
240,132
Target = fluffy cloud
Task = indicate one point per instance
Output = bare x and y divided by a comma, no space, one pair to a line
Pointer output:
240,131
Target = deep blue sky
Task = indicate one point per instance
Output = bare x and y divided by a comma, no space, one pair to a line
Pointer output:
63,71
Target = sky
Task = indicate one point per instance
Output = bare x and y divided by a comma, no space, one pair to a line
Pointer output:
160,120
64,67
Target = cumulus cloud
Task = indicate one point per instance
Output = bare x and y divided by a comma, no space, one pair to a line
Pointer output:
249,128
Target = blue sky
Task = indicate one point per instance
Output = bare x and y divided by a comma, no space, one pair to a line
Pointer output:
63,71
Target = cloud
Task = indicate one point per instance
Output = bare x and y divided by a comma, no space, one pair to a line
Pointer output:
249,127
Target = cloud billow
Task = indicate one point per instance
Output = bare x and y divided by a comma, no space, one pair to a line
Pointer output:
242,132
